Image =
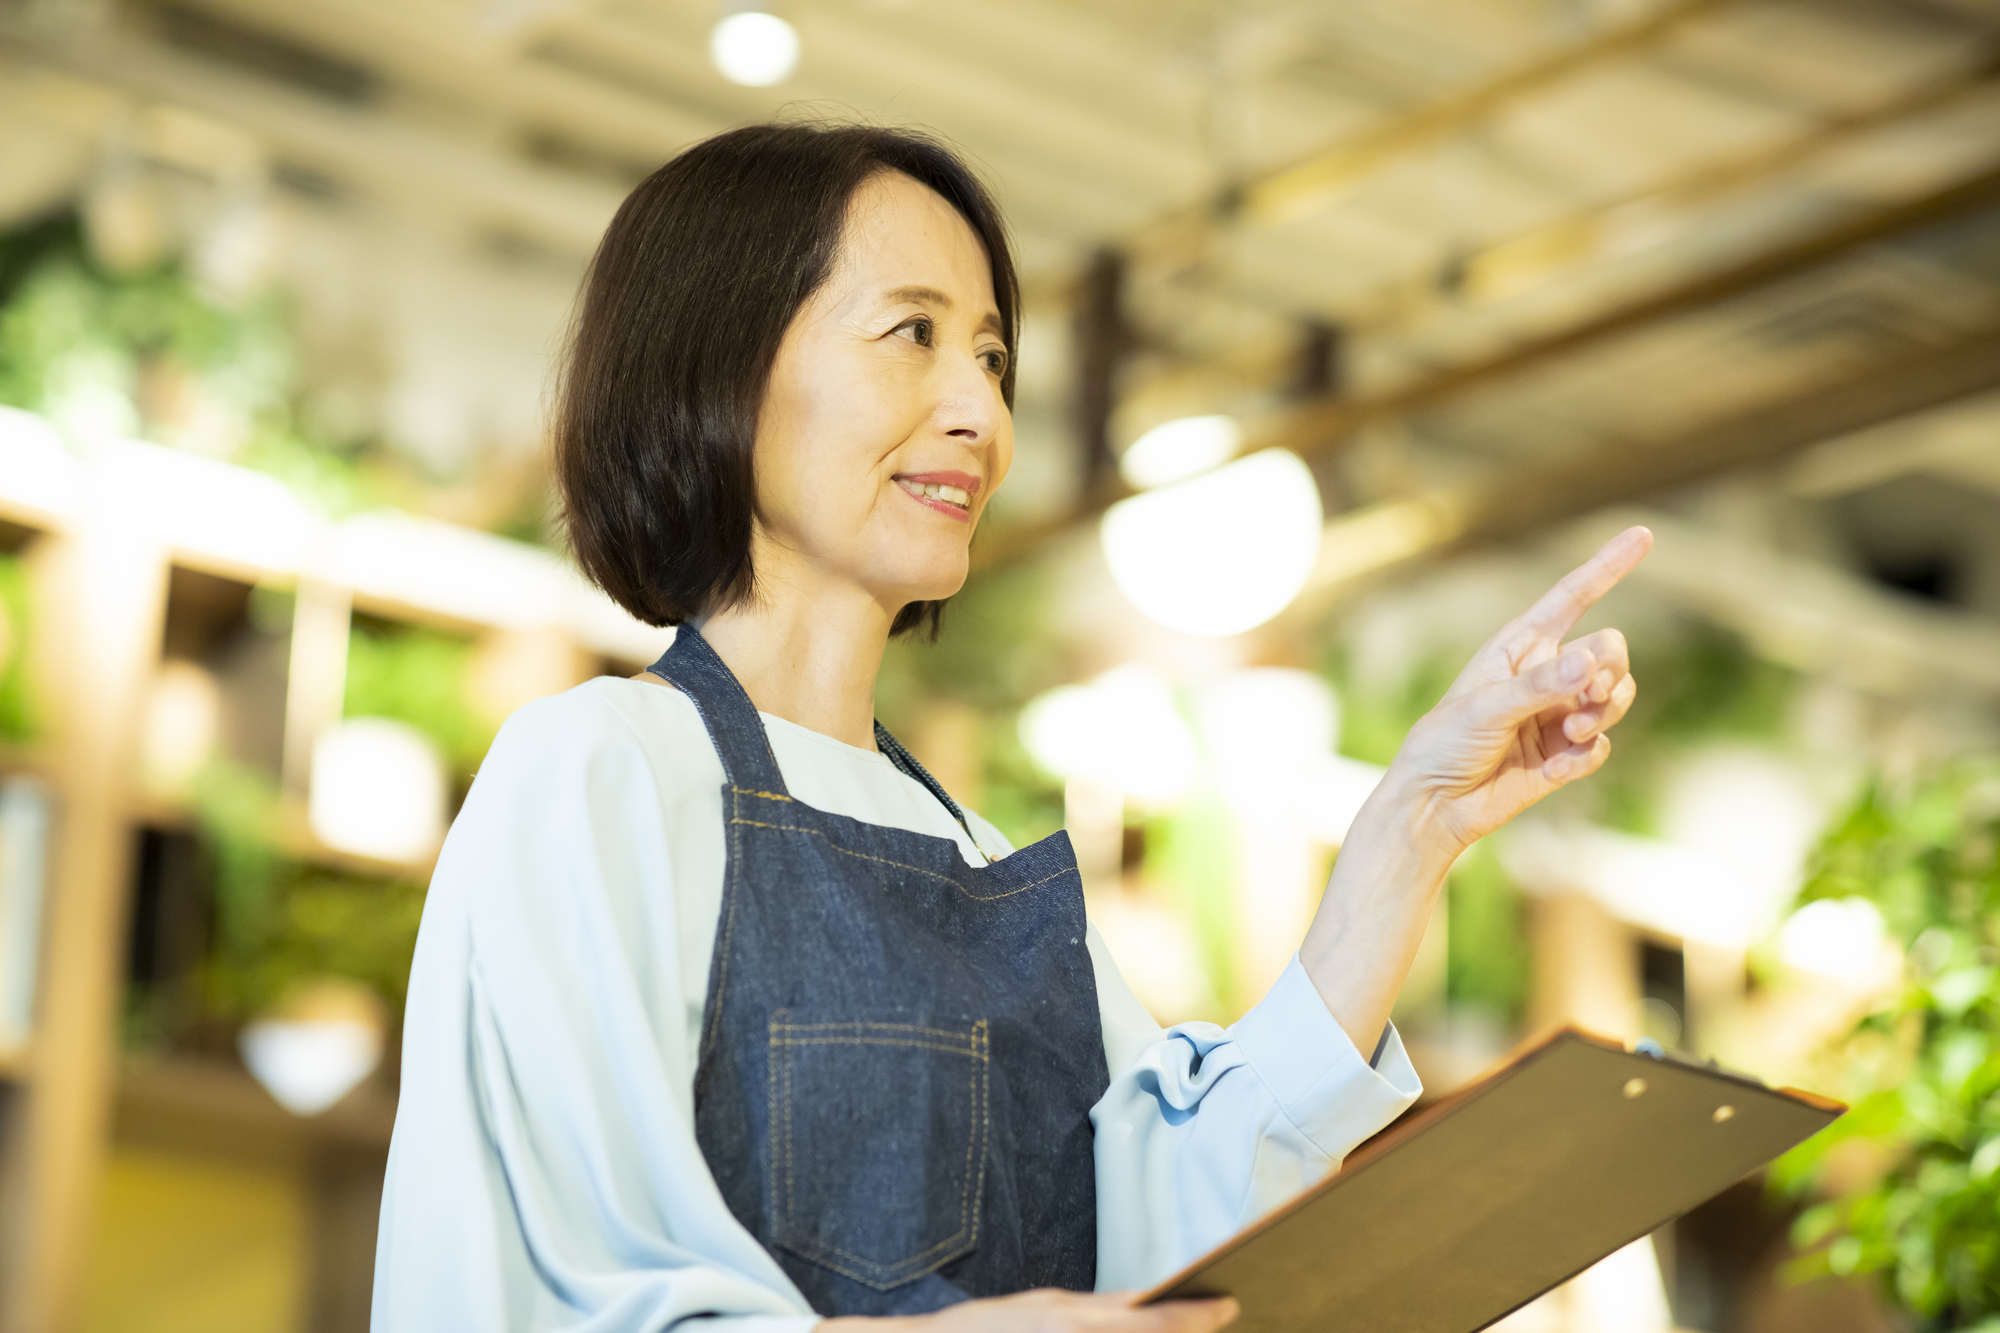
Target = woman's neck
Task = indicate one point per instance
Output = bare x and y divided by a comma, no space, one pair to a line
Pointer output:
806,650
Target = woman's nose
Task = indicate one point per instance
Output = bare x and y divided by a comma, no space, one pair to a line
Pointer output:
969,405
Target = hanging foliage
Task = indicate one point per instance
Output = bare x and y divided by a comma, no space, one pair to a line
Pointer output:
1927,1061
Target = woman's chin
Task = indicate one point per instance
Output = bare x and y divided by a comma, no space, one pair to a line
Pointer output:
935,587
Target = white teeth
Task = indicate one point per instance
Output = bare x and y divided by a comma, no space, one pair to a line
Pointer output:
933,491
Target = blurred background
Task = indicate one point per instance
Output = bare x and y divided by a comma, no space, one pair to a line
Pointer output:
1348,329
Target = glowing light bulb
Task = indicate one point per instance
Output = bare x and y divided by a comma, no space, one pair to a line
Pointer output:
1220,553
1176,450
754,49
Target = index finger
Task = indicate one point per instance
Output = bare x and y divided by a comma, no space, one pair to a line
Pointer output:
1558,609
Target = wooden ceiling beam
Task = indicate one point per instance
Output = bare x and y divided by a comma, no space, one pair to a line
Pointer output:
1363,546
1291,192
1320,426
1317,427
1567,243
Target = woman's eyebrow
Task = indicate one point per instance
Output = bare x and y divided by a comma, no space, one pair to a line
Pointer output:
932,296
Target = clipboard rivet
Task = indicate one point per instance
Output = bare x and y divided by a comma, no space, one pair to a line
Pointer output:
1634,1087
1723,1113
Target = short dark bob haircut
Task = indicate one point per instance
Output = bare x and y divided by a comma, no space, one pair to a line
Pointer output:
681,314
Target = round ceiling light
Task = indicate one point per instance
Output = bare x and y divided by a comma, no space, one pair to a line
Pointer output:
754,49
1220,553
1176,450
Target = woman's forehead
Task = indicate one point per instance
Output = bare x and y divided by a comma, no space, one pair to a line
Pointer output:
903,236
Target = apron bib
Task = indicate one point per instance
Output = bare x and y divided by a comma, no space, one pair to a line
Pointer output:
899,1051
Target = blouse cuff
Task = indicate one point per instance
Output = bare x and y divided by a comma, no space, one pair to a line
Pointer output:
1326,1087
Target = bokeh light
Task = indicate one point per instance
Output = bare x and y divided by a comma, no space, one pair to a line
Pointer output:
754,49
1222,552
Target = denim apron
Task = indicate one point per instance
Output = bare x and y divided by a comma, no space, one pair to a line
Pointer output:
899,1051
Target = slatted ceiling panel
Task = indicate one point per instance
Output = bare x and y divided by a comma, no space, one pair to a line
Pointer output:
417,53
1804,335
1289,119
1094,116
1734,229
1828,57
877,73
1455,196
1431,47
1066,173
1333,262
1951,143
1213,338
1008,95
1073,52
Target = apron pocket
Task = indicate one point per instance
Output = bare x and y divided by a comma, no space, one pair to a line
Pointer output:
878,1153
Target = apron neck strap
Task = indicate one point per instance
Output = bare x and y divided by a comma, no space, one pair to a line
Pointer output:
906,761
725,710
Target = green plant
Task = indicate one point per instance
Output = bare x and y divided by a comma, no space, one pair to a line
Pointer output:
418,677
68,326
161,358
1926,1061
1486,949
279,922
17,721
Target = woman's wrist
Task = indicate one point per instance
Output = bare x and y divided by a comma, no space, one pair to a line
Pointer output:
1378,902
1401,822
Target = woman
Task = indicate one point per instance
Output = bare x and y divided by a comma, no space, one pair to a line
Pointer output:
722,1009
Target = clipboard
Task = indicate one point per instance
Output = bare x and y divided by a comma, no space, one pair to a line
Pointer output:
1507,1188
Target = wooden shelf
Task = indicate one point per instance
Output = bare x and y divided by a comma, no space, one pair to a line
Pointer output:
295,840
213,1107
109,602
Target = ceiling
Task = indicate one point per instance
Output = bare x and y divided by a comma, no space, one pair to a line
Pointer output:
1453,251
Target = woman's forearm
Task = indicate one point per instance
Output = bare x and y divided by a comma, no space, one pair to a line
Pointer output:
1379,900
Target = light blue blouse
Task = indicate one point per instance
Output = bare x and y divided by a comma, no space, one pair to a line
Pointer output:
544,1172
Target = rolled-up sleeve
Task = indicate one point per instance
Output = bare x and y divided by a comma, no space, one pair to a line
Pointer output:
1205,1128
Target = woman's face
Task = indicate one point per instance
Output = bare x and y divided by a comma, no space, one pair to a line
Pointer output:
882,433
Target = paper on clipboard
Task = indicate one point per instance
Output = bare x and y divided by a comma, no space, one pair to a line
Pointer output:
1473,1207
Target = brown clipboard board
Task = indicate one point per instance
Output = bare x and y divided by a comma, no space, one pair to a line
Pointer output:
1456,1217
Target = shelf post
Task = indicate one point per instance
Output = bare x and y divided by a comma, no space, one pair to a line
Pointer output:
101,600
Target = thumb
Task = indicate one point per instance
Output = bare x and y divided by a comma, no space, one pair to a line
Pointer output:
1554,682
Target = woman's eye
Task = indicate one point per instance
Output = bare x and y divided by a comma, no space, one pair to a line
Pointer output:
996,362
921,332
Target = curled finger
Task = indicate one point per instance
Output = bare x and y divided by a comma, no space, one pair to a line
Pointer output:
1610,657
1577,761
1582,723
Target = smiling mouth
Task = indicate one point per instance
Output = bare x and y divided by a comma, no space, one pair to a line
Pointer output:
951,495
